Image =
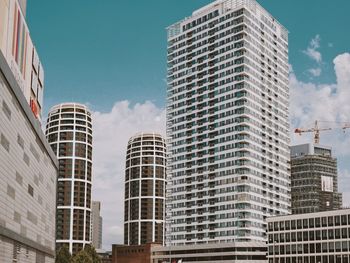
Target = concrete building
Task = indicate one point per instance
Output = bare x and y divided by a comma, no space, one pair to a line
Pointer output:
145,177
96,224
28,174
314,179
227,124
19,51
69,133
322,237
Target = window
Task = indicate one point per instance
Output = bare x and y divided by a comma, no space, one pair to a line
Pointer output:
324,221
318,222
30,190
6,110
343,220
318,234
324,247
299,223
337,233
330,221
305,223
345,246
288,224
311,223
312,235
330,233
344,233
293,224
288,236
5,143
324,234
337,220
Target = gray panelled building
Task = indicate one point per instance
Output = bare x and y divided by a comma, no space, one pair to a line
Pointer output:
28,173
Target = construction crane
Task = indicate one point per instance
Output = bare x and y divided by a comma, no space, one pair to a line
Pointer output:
316,130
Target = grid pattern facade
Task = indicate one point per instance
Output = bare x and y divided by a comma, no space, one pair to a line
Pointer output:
248,252
28,173
69,132
307,186
322,237
227,124
145,189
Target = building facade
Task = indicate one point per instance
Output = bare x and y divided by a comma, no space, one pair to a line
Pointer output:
322,237
133,253
254,252
96,224
145,177
227,124
69,133
19,51
28,174
314,179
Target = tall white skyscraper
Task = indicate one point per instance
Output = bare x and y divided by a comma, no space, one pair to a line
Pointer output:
227,124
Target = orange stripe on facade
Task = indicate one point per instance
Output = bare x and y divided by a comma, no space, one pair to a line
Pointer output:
25,55
14,41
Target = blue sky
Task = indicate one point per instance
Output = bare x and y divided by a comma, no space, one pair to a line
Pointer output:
111,54
116,50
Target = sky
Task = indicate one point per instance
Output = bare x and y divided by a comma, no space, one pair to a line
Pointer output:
111,55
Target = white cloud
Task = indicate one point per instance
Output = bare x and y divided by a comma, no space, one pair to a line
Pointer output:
326,102
344,179
316,72
112,131
312,50
309,102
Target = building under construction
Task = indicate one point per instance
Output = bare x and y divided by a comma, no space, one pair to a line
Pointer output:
314,179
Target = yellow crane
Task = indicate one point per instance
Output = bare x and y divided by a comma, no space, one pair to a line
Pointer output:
316,130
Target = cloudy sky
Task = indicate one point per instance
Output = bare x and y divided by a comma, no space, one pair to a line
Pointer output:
111,55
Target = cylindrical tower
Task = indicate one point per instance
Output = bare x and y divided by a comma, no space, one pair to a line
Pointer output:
69,132
144,217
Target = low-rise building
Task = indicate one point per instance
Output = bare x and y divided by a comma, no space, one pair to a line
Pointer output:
322,237
247,252
133,254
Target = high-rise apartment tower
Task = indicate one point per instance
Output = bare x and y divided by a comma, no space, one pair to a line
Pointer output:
314,179
227,124
69,132
145,177
96,224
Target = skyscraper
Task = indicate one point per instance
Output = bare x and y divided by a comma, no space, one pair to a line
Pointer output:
314,179
96,224
227,124
145,177
69,132
28,167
